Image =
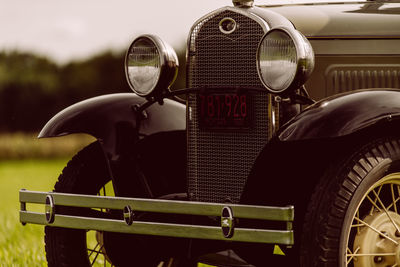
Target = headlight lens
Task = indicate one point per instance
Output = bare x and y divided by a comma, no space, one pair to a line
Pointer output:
143,66
285,59
150,64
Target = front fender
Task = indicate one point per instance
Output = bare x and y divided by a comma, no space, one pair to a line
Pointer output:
288,169
342,115
110,118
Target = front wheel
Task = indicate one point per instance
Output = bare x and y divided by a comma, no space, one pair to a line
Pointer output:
87,173
354,215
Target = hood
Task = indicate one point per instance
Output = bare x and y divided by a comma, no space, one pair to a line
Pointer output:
370,19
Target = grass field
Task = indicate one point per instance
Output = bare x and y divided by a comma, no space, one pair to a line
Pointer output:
28,146
23,245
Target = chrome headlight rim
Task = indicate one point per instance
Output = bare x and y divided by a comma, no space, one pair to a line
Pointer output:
304,59
168,65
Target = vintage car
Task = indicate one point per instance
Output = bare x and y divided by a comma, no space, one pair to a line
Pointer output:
282,150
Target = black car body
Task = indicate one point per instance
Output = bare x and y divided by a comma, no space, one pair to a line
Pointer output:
247,159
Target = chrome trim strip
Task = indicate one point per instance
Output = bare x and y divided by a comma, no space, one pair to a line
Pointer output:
284,237
160,205
161,229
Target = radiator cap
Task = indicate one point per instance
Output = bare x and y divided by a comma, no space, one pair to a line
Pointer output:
243,3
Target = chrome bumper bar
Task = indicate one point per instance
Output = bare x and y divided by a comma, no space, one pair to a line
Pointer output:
227,212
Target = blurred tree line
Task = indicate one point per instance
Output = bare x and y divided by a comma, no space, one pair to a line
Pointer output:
34,88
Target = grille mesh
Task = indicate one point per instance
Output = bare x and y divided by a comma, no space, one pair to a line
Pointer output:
220,161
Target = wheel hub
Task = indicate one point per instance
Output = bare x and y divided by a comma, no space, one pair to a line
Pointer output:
378,242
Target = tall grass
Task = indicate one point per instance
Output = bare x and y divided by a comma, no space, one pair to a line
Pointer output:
23,245
34,164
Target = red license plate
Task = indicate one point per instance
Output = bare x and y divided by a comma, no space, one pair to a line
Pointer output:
224,111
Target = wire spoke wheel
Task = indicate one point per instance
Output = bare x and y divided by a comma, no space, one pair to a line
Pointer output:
353,219
87,173
95,239
97,255
374,235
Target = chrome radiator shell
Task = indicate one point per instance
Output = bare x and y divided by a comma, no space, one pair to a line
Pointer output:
220,161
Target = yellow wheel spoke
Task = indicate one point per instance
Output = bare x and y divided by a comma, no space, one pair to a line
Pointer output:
398,190
373,202
97,254
376,231
387,213
358,225
377,213
398,193
393,198
394,204
93,250
349,254
371,254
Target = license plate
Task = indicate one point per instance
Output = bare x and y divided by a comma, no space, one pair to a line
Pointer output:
224,110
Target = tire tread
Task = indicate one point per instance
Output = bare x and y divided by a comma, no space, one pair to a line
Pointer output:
58,240
331,198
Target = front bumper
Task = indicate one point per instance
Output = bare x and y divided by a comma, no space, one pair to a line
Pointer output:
229,214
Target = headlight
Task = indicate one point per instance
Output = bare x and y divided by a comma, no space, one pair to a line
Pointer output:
285,60
151,65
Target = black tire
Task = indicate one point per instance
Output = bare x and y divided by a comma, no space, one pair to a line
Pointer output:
86,173
356,196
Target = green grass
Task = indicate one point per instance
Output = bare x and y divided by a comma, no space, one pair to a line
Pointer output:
23,245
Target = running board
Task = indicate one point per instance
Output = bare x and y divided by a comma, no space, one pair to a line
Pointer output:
227,212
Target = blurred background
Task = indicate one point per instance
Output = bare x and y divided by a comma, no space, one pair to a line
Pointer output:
55,53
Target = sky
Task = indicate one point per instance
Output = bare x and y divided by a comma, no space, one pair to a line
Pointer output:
66,30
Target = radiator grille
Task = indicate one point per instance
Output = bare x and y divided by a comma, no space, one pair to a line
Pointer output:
219,162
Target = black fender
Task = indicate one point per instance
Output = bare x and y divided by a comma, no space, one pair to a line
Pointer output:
285,173
111,119
343,114
300,151
288,169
